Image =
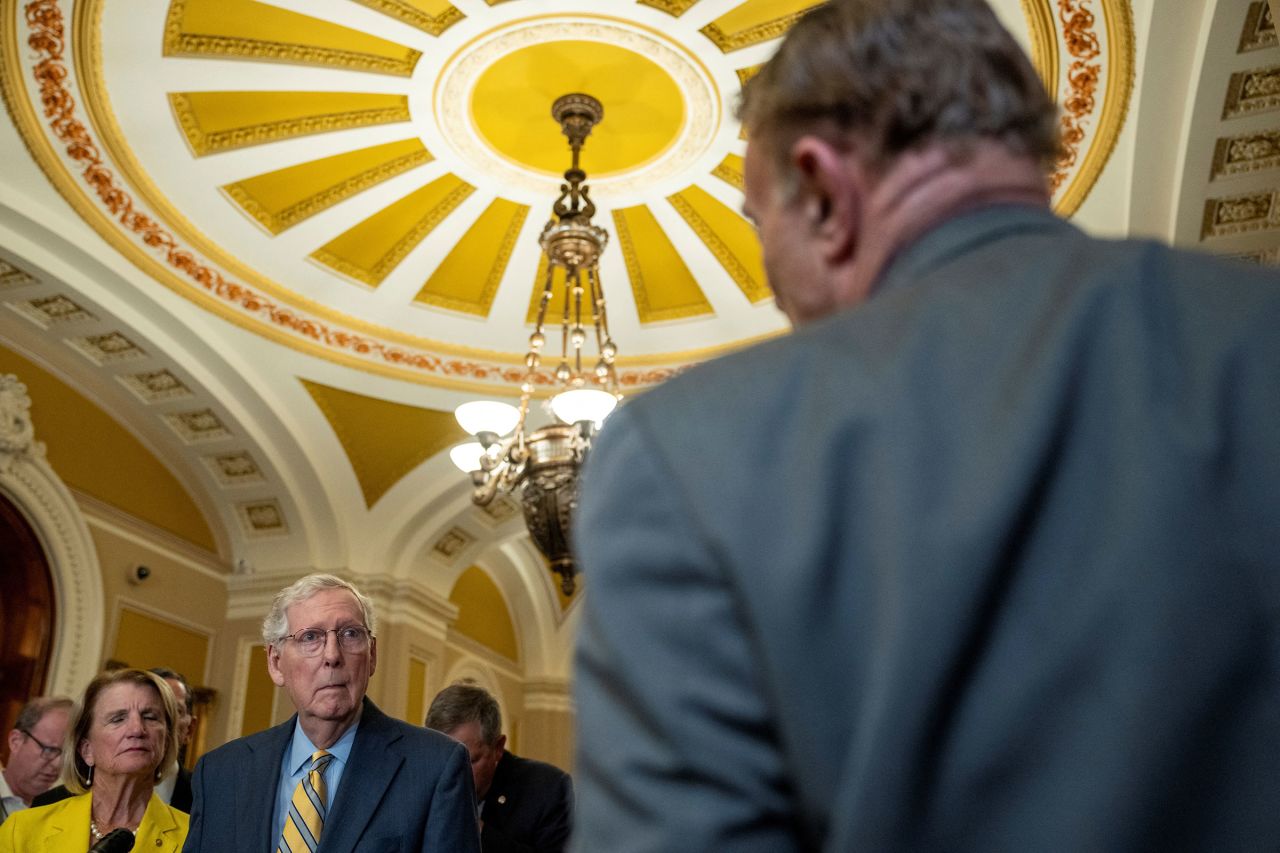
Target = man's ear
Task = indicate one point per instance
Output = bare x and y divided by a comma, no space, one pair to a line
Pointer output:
828,196
15,740
273,665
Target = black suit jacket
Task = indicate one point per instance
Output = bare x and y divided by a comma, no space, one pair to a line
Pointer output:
528,808
180,800
404,789
990,562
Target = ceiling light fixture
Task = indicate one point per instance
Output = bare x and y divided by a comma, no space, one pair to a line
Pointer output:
544,464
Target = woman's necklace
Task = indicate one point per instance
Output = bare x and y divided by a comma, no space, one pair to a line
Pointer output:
98,834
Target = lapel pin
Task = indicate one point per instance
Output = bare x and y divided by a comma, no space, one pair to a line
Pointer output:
502,798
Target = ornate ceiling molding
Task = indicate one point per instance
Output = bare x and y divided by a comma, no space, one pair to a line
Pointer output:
1084,47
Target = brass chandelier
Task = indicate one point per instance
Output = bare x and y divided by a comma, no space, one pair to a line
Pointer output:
543,464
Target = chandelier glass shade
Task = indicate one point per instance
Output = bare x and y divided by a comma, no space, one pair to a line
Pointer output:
542,464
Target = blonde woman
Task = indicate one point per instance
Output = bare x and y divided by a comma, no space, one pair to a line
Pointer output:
121,741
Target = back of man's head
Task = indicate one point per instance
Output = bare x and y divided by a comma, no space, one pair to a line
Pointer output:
894,75
466,702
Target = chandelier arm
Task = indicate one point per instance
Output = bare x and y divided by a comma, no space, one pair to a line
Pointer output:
603,342
578,332
597,300
564,329
545,299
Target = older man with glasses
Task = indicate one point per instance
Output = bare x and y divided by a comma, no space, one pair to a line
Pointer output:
339,770
35,752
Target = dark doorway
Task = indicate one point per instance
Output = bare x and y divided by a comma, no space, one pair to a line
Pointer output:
26,615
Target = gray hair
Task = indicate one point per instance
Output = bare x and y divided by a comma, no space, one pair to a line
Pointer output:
35,709
466,702
893,75
276,626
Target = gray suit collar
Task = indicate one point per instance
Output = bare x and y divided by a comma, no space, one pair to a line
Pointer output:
958,234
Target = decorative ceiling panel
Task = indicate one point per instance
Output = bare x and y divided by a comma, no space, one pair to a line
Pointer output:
730,171
221,121
1250,152
1259,28
663,286
467,279
431,16
754,22
152,133
1253,91
729,237
244,29
281,199
371,249
671,7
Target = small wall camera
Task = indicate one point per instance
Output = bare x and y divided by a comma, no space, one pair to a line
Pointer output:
138,574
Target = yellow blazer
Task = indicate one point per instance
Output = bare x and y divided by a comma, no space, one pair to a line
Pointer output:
63,827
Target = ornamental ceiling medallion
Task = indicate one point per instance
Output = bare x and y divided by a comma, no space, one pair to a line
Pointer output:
367,186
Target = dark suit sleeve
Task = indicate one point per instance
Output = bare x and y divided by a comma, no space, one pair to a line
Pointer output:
451,823
552,831
675,744
181,799
195,833
56,794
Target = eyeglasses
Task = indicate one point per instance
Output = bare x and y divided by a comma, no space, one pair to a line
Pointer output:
46,752
351,638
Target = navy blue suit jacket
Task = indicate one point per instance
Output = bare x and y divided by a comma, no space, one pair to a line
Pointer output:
405,788
528,808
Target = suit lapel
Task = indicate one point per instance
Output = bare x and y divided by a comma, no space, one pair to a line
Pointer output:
163,825
369,773
256,789
72,827
497,803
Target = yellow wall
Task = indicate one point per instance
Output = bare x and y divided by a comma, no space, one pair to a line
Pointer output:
196,601
483,614
144,641
416,711
93,453
259,695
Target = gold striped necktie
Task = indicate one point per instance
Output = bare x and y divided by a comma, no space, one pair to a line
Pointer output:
307,809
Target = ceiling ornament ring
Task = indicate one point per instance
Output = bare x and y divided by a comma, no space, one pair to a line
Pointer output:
154,250
1090,72
457,79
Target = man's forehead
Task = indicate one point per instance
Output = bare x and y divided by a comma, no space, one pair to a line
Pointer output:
54,718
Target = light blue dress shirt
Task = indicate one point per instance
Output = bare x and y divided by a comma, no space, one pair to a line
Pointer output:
297,759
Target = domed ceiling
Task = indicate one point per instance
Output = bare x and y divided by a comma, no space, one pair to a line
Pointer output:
364,180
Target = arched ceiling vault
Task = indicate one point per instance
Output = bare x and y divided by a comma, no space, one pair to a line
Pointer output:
331,209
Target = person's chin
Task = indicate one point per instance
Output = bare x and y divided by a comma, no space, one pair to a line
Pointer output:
333,705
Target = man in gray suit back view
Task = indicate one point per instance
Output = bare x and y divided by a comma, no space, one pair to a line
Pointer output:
985,556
